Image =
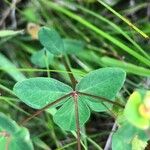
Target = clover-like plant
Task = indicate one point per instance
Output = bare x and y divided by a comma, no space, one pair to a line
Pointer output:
41,93
94,92
12,136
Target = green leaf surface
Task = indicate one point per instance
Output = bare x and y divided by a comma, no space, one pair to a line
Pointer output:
97,105
22,140
105,82
38,92
42,58
16,142
65,116
73,46
51,40
3,142
17,138
9,125
138,144
118,142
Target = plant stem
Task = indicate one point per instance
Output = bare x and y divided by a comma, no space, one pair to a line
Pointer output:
71,76
75,96
47,106
7,89
102,99
47,65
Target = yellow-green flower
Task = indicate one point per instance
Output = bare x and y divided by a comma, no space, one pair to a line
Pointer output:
137,109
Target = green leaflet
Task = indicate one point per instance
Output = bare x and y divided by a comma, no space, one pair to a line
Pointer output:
9,125
105,82
18,138
97,106
38,92
17,142
65,116
42,58
51,40
22,140
73,46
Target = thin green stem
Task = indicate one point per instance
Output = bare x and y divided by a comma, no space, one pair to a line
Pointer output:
39,70
47,65
92,142
50,127
67,146
75,96
6,89
71,76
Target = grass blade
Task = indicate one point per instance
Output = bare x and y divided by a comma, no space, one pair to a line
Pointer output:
98,31
14,73
124,19
128,67
116,27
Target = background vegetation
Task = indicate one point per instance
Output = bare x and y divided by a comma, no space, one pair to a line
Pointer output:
110,40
